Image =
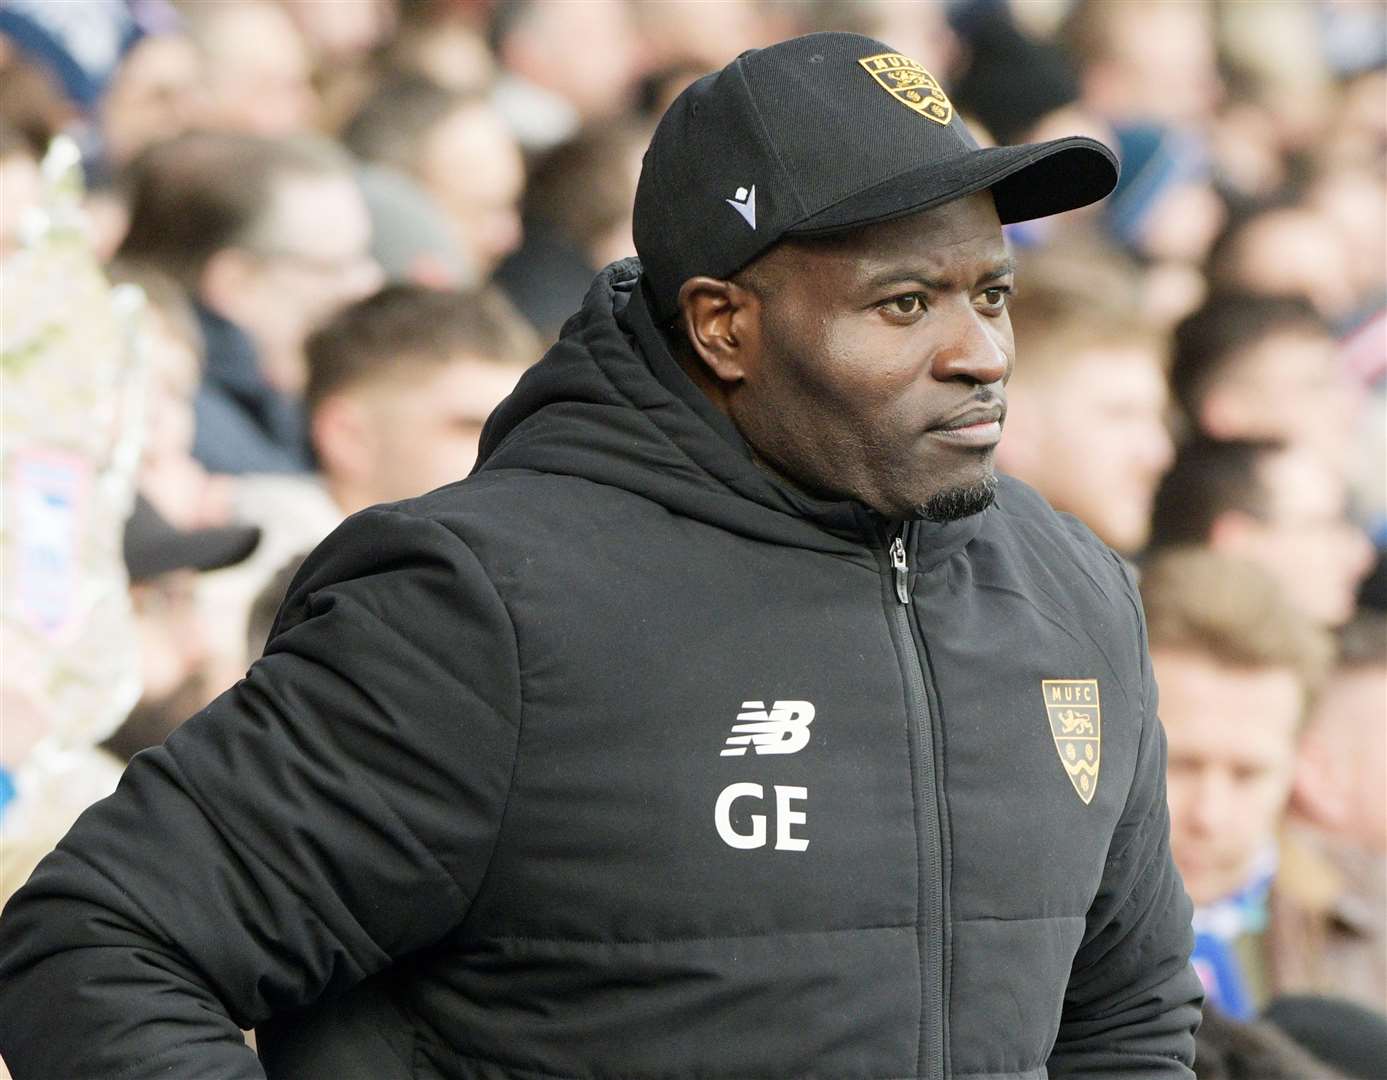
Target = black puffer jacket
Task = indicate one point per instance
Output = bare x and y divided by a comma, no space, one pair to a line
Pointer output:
620,759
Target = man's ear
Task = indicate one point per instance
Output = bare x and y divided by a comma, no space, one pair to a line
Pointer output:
722,323
1230,530
342,438
1318,791
223,280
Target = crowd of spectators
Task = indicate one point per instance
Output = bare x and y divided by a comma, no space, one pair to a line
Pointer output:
356,223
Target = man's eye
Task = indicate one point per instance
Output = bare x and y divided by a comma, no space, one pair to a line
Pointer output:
995,298
908,305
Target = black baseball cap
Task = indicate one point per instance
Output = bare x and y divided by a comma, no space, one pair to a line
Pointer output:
822,134
154,547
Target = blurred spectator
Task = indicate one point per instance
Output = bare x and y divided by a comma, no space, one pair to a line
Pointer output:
1086,408
1165,212
1357,128
1287,250
444,42
80,43
676,33
1237,665
20,182
1270,49
459,151
121,74
343,40
400,385
182,491
163,563
1153,61
255,67
1339,809
412,240
1353,200
269,237
548,88
1042,79
1084,264
341,33
577,220
1256,367
155,94
1277,506
921,31
30,101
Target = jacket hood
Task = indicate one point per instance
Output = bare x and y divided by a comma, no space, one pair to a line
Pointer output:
610,404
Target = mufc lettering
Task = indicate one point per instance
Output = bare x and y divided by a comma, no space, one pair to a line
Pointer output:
1076,724
910,84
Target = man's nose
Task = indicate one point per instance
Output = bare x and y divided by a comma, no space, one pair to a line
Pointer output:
1214,800
976,350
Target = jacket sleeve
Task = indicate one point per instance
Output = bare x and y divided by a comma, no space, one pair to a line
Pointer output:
1133,1001
333,811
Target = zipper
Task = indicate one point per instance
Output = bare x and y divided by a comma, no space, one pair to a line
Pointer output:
930,930
900,568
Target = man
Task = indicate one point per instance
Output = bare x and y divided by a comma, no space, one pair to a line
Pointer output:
1237,665
457,148
269,237
257,76
1288,250
1278,506
399,386
1105,373
1338,810
1260,367
547,88
721,723
1145,62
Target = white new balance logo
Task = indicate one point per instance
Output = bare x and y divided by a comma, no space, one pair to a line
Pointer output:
782,729
744,202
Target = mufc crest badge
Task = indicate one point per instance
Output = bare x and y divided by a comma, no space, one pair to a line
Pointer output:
910,84
1076,722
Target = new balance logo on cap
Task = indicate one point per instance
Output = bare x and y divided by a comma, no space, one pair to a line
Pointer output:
744,202
781,729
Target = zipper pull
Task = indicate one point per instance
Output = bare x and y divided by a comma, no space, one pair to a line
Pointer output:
902,571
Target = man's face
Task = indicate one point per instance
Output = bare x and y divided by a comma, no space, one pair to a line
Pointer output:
155,95
1348,748
1092,439
1231,734
173,641
879,359
426,425
472,166
312,258
1305,539
258,73
1287,387
1163,62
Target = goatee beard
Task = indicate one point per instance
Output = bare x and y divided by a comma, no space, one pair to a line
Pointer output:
960,502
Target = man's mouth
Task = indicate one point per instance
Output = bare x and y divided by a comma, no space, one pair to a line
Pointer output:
978,426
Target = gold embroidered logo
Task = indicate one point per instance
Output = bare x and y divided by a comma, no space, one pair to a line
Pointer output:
910,84
1076,722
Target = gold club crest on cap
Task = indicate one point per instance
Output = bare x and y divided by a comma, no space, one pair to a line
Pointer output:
910,84
1076,722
